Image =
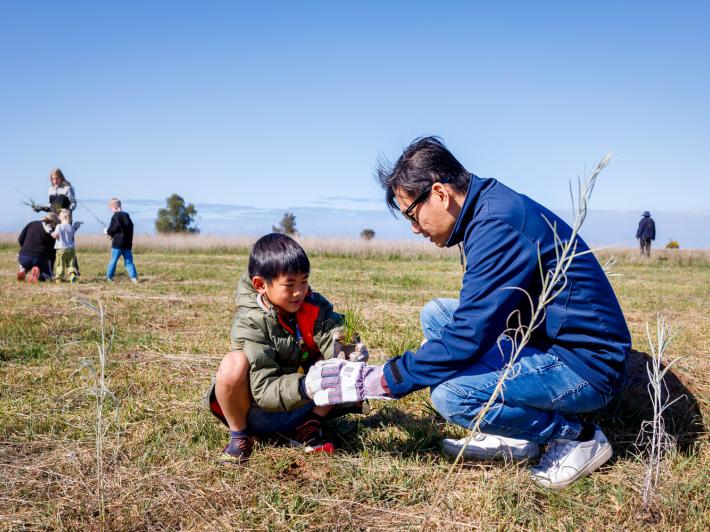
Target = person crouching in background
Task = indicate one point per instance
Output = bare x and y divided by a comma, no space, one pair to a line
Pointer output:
36,255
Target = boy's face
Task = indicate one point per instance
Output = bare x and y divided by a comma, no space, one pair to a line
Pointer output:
286,291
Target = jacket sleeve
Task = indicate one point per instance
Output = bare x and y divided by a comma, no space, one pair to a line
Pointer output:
653,230
639,231
271,390
23,235
113,226
72,198
499,258
330,323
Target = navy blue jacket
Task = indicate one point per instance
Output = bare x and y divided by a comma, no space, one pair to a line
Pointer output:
500,230
647,228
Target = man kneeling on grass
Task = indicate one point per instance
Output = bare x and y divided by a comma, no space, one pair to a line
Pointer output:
574,362
281,329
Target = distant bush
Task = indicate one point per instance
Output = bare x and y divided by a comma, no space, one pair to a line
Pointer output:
673,244
176,217
287,225
367,234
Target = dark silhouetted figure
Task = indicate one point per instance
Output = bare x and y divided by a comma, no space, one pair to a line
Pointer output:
645,233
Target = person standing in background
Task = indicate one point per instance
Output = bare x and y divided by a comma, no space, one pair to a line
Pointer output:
646,233
65,248
61,194
120,230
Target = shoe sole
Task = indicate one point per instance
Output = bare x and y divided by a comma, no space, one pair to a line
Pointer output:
33,276
592,466
509,454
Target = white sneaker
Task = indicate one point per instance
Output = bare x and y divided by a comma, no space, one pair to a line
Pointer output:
567,460
489,447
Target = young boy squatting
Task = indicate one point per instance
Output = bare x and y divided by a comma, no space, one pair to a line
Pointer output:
280,330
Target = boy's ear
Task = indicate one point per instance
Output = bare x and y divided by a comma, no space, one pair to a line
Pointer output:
259,283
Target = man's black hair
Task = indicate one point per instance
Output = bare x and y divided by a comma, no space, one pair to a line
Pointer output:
277,254
425,161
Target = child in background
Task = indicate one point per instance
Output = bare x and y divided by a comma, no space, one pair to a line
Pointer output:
120,229
64,246
281,329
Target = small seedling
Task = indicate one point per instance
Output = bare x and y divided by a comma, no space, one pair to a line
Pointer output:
352,323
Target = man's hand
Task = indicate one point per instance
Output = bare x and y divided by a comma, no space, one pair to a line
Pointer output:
336,381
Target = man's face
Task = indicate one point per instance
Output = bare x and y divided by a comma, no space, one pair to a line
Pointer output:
434,216
286,292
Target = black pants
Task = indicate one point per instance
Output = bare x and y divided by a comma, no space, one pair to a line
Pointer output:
645,246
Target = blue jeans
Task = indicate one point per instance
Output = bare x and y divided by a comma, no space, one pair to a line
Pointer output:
540,399
127,260
263,423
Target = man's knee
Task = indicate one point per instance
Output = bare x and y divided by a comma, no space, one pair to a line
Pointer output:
426,313
448,401
234,369
433,317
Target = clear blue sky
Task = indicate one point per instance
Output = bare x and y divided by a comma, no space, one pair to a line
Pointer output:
283,104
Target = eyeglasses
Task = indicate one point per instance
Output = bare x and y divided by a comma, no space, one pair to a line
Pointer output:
408,213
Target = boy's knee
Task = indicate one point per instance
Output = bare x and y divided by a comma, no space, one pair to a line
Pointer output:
233,369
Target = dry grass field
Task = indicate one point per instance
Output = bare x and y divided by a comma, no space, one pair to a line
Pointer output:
159,446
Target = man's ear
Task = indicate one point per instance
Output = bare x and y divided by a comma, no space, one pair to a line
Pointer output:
442,193
259,283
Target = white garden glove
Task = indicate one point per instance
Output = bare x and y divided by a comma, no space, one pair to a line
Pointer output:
337,381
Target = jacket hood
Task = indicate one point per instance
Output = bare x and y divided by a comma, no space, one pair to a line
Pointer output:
476,187
246,293
248,297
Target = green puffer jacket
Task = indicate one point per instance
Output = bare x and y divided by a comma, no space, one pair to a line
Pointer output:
273,350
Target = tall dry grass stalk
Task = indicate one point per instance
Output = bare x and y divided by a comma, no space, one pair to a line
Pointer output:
653,439
554,281
101,392
609,265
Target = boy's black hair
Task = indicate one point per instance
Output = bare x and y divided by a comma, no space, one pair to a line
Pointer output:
425,161
277,254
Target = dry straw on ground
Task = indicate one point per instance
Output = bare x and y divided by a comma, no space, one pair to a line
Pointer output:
172,330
